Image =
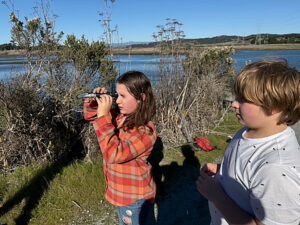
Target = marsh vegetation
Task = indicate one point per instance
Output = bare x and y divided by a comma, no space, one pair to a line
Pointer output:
49,156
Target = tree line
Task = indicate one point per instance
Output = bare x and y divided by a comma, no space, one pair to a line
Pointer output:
253,39
293,38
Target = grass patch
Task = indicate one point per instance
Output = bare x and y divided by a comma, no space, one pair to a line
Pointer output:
73,193
78,197
74,196
229,126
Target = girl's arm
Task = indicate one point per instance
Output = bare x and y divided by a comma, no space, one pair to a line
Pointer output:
98,107
212,190
90,109
122,147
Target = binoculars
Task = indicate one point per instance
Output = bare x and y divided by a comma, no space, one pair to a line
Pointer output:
98,95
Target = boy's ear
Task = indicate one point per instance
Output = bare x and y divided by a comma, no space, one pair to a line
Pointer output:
274,111
143,96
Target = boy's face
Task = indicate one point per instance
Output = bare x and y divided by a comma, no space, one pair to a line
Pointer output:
251,115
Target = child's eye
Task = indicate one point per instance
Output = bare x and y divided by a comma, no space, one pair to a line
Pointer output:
241,99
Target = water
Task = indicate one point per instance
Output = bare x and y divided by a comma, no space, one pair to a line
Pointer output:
148,64
292,56
11,65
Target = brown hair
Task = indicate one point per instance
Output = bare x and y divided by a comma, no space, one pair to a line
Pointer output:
273,85
137,84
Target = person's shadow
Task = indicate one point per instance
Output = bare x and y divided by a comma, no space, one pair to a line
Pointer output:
34,189
177,200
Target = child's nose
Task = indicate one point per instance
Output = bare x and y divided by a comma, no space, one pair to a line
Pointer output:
118,100
235,104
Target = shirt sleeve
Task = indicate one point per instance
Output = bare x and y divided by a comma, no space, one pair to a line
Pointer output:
90,109
119,146
275,195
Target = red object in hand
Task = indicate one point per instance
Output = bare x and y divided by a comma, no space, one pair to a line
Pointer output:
204,143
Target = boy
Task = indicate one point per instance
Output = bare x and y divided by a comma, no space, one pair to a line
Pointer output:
258,181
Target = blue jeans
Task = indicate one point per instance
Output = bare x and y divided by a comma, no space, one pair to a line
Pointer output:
138,213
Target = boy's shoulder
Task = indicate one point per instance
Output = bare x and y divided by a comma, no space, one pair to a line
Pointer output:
280,149
239,133
265,155
287,133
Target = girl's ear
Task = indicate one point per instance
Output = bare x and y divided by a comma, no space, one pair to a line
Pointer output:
143,96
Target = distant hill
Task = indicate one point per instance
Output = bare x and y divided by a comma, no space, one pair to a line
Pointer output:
234,39
254,39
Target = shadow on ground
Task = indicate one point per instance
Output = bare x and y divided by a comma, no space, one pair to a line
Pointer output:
178,201
34,190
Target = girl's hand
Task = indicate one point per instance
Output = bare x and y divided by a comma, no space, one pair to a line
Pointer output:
208,186
104,102
210,169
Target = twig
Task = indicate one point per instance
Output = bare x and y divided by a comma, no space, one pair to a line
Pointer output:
77,204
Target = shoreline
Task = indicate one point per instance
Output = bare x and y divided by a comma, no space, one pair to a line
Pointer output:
155,51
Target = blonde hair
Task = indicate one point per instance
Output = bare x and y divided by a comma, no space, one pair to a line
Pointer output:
273,85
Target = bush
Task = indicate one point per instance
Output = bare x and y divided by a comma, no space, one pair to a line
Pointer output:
192,87
40,115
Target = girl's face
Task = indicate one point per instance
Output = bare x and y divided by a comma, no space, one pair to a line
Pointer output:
127,103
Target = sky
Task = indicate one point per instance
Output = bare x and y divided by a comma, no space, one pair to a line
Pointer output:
137,19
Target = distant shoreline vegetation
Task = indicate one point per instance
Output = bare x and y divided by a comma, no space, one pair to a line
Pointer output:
251,42
257,39
152,51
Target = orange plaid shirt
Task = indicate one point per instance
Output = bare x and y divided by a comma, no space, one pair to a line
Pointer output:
126,169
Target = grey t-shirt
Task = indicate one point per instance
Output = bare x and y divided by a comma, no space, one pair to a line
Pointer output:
262,176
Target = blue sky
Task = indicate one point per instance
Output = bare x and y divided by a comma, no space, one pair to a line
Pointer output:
137,19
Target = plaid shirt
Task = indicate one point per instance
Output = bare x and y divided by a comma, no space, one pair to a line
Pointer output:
127,172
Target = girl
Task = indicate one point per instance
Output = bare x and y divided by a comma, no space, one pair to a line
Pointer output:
126,140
